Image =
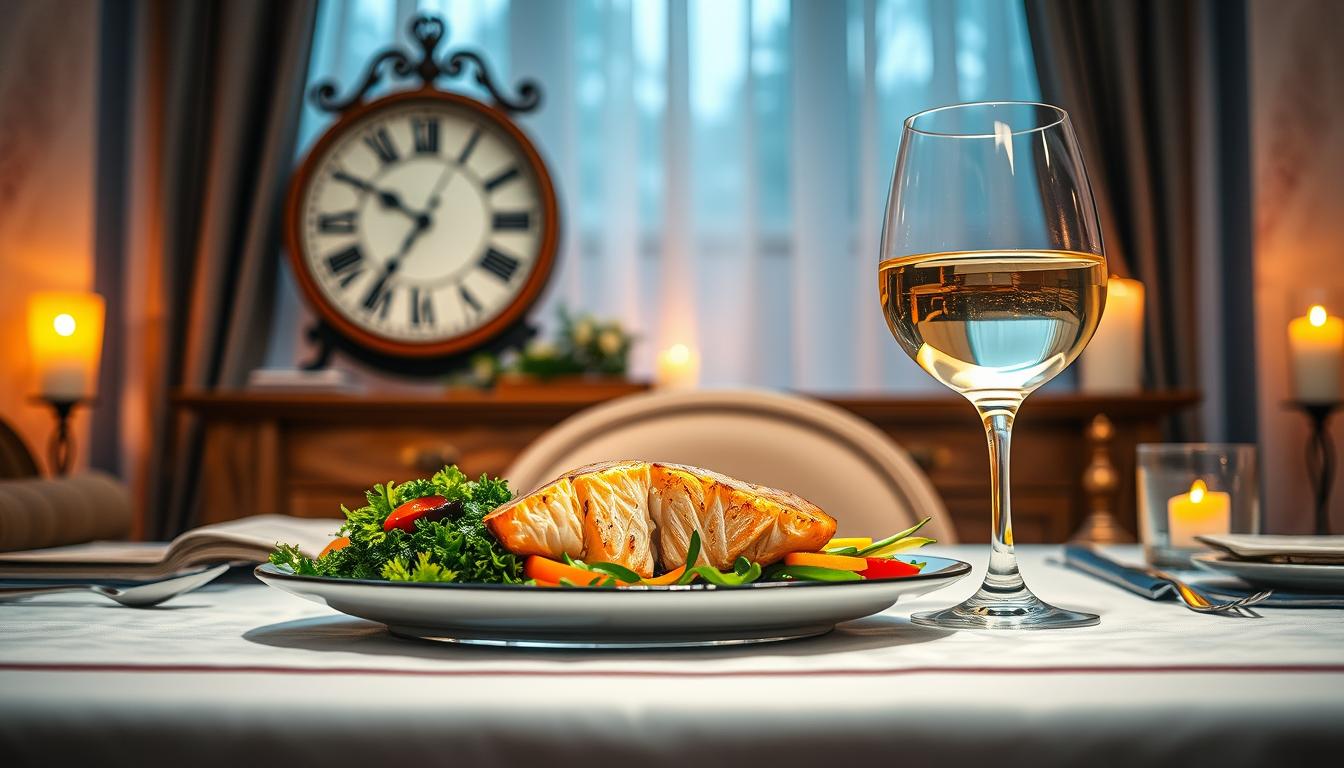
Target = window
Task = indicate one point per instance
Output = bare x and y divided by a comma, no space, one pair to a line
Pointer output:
722,164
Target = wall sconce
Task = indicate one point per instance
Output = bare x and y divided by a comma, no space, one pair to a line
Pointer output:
65,338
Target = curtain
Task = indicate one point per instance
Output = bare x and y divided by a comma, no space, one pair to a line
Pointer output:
1158,95
215,89
722,164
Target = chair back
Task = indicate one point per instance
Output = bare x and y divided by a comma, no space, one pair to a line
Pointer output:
824,454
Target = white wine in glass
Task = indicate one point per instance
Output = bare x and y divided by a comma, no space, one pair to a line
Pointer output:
992,278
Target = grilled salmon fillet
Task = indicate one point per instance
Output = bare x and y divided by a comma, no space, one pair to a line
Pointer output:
638,514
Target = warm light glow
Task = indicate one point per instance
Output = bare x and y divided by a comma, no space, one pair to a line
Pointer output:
678,354
1197,491
1316,316
64,324
678,367
65,340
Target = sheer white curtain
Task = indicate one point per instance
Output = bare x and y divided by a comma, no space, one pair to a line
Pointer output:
722,164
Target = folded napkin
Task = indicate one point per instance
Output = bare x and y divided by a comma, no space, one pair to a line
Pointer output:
1090,561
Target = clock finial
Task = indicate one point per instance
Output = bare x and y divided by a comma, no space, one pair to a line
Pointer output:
428,31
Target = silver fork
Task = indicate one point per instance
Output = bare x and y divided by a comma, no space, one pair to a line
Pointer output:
1198,602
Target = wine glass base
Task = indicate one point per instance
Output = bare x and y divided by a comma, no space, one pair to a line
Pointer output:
1026,612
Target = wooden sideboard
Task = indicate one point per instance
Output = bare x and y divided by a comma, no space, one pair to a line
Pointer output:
306,454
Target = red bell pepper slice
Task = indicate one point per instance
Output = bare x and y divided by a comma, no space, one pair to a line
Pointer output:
886,568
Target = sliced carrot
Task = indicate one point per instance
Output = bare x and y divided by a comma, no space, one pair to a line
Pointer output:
545,569
838,562
333,545
667,578
541,583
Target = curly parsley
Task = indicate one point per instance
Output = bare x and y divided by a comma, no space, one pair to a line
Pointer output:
457,548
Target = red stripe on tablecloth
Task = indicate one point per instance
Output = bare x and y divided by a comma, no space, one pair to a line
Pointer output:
838,672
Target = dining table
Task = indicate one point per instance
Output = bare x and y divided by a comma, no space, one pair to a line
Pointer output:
238,673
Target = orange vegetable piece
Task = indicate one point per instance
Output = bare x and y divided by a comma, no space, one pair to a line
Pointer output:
541,583
546,569
335,544
667,578
820,560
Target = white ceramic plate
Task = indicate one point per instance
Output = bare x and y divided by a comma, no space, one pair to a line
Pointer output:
1319,578
630,617
1246,546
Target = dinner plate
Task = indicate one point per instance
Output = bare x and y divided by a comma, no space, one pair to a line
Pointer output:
628,617
1319,578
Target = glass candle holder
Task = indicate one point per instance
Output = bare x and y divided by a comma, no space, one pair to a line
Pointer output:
1192,489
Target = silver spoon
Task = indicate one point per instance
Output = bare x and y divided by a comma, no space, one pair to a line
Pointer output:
139,596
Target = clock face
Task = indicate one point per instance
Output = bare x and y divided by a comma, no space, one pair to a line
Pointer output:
422,225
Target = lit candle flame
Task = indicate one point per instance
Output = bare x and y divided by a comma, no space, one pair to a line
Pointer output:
1316,316
64,324
1197,491
678,354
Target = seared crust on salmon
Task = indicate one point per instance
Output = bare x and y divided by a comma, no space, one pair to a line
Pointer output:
633,512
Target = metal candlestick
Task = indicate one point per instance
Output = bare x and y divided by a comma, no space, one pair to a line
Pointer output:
61,447
1320,460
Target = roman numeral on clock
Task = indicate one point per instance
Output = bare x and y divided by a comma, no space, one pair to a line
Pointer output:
469,299
422,308
379,297
382,145
425,130
499,264
346,264
503,177
339,223
512,219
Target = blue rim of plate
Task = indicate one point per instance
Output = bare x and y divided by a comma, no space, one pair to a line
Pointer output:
956,569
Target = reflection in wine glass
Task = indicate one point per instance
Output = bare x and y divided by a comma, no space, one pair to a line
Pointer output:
993,278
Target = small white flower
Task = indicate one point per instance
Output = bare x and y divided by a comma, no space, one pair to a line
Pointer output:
541,348
583,332
610,342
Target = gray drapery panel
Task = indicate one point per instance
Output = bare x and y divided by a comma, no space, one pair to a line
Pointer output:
1136,78
219,88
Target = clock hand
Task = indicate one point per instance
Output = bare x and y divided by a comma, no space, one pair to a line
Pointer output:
387,198
439,185
394,263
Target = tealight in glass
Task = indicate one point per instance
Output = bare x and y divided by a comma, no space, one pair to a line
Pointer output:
1187,490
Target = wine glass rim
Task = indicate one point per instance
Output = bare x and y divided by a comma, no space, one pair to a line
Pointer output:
1060,117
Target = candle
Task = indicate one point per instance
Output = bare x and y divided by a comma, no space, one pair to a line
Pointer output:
1198,512
678,368
1113,361
1316,347
65,337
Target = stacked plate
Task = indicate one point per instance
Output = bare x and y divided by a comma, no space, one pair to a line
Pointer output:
1281,562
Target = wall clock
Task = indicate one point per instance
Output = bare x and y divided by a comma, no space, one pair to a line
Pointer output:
422,225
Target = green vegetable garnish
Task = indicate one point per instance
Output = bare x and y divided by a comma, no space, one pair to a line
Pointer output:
692,554
619,571
810,573
455,549
892,539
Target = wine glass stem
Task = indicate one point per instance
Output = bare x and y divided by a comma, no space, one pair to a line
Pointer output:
1002,578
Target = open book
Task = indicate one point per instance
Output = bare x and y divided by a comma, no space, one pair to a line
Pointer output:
248,540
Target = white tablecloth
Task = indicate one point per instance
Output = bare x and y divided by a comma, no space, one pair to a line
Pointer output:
239,672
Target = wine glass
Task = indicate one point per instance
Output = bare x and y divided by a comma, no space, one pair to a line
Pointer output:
993,278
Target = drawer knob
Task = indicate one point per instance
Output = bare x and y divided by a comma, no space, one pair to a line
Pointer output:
930,458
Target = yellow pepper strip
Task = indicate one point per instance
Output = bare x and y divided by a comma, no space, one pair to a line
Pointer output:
858,542
913,542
